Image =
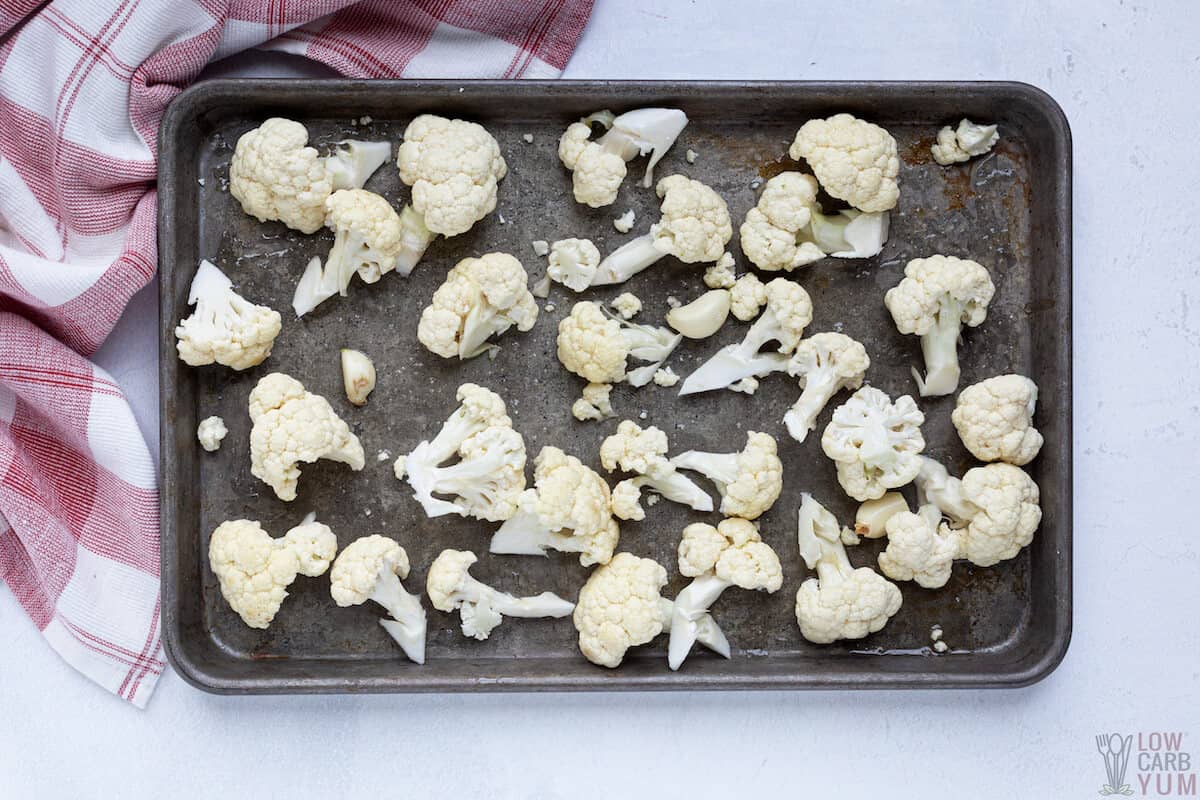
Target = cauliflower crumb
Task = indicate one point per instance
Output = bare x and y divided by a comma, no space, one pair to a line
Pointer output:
745,386
935,633
940,646
200,181
541,247
383,455
500,216
690,156
652,499
400,467
673,301
366,512
624,223
757,182
849,537
528,138
721,275
665,377
549,307
365,120
627,305
643,415
210,433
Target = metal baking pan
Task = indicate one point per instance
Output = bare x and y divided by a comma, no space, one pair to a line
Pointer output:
1008,625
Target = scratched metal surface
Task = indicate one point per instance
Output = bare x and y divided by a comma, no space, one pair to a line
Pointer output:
1010,211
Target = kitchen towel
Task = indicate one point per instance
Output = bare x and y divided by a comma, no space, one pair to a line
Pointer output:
83,85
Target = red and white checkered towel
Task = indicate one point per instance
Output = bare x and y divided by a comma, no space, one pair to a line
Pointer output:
83,84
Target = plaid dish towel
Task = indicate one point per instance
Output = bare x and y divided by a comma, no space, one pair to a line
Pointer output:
83,84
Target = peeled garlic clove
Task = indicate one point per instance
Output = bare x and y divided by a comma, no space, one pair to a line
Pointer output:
702,317
871,519
358,375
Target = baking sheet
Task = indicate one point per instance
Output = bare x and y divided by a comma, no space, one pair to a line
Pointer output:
1006,625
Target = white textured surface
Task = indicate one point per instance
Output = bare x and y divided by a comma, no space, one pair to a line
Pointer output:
1125,73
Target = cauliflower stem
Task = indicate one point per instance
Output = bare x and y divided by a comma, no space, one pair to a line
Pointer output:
940,350
691,622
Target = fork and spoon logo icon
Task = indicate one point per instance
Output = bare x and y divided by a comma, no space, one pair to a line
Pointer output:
1115,749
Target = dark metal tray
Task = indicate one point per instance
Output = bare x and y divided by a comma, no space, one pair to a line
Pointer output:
1006,626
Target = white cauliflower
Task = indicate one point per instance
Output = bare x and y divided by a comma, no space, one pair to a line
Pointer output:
481,297
621,606
598,167
787,228
643,451
367,242
453,167
996,507
665,377
749,481
722,275
624,223
225,327
731,554
826,363
569,511
627,304
487,479
994,419
211,432
747,296
875,443
291,426
937,296
255,570
481,608
596,346
595,404
841,602
917,550
573,263
854,160
694,227
371,568
276,176
969,139
788,312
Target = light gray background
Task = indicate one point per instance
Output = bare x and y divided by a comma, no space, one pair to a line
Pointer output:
1126,73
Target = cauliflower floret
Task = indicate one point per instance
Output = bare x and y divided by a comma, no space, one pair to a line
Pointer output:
788,312
665,377
854,160
694,227
573,263
621,606
917,551
225,327
747,297
254,570
841,602
451,588
937,296
996,506
371,568
722,275
570,511
994,419
595,346
368,240
211,432
293,426
875,443
599,166
595,404
826,363
276,176
482,297
749,482
453,167
627,304
642,451
787,229
970,139
731,554
487,480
